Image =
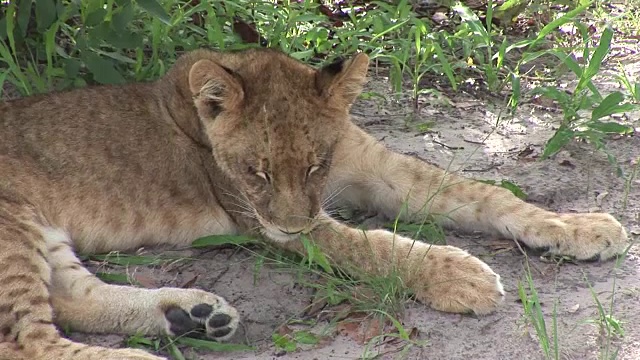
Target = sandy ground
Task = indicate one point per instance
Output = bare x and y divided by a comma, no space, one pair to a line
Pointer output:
577,179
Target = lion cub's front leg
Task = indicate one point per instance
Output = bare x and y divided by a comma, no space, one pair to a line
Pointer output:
445,277
368,176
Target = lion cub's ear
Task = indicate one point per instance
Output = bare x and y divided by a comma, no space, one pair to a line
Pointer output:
215,85
341,82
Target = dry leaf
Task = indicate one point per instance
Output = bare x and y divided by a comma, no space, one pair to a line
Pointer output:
350,329
283,330
145,281
189,283
371,328
600,197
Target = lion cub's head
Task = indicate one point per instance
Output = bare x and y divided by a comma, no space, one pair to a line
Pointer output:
273,123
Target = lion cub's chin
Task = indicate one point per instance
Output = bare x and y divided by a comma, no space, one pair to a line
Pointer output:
278,236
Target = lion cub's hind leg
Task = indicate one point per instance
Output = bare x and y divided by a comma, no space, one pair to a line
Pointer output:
26,318
84,303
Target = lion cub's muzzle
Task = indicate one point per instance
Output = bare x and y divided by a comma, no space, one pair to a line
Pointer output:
290,229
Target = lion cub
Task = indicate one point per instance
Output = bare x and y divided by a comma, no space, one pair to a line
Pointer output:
227,143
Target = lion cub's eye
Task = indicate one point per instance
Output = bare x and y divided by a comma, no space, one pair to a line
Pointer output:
265,176
312,169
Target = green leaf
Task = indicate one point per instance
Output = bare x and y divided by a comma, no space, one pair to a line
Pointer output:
95,17
610,127
212,345
217,240
553,93
515,189
176,354
608,106
45,14
472,20
305,337
113,278
284,342
24,15
121,19
120,40
102,70
306,18
557,141
154,8
3,77
315,255
569,16
596,60
514,99
446,66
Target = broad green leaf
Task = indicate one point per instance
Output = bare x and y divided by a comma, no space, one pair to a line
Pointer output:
607,105
305,337
217,240
557,141
154,8
315,255
515,189
113,278
596,60
553,93
71,67
95,17
284,342
610,127
102,70
45,14
212,345
472,20
509,4
24,16
568,17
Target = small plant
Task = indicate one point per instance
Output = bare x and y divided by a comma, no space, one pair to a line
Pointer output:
610,327
584,109
535,317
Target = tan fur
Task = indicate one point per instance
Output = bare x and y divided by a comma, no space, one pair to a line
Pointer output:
226,143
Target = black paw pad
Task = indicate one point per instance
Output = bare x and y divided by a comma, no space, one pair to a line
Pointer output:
220,320
180,321
201,310
221,332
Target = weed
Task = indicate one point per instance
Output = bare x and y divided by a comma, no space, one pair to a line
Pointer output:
586,97
528,296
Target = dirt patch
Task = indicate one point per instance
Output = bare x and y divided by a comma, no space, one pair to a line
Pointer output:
462,137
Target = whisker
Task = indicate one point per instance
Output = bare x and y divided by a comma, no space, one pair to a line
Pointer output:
331,198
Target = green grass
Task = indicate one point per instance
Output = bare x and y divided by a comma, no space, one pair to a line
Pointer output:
545,328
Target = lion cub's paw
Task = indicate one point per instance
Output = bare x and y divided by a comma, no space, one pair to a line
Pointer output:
194,312
592,237
460,283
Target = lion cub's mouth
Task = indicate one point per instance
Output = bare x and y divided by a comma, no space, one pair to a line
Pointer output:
274,233
278,235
